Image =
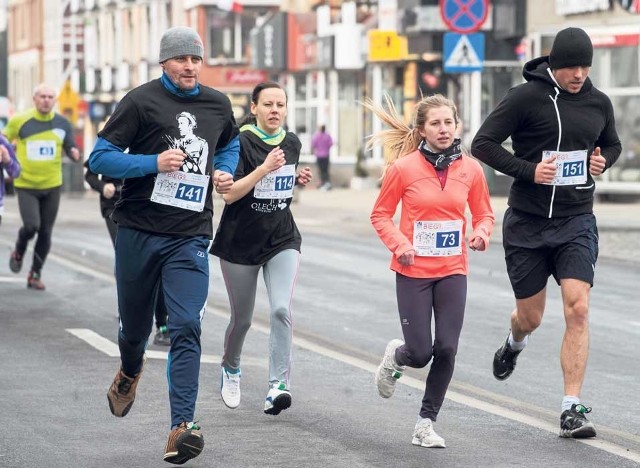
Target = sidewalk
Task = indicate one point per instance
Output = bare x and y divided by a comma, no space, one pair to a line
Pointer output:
618,223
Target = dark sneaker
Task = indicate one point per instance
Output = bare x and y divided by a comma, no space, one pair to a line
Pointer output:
185,442
35,282
162,337
15,262
573,423
122,393
504,361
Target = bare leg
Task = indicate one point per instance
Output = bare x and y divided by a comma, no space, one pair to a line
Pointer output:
527,315
575,345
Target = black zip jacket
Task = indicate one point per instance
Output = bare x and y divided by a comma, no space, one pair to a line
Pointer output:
539,116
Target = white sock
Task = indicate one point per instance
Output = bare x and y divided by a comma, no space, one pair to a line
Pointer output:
568,401
517,345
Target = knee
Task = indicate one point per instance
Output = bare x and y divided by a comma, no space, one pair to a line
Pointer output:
31,229
528,322
188,330
577,314
281,314
419,359
446,353
242,326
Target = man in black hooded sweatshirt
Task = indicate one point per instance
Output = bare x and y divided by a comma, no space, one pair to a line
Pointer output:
563,133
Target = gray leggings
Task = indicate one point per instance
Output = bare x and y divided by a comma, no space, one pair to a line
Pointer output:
279,273
417,299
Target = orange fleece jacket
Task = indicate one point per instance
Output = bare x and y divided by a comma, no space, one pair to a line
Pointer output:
413,181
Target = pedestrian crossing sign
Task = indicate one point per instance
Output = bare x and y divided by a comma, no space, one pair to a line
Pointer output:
463,53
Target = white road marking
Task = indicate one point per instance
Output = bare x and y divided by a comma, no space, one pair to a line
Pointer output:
90,337
97,341
13,279
111,349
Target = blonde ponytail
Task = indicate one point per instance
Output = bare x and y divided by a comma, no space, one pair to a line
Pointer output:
399,139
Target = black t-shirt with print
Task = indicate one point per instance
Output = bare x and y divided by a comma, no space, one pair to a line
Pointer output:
150,120
253,230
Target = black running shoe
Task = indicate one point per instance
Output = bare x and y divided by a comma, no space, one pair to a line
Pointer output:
15,262
504,361
573,423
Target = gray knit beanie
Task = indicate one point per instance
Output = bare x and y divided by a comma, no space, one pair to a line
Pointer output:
571,48
180,41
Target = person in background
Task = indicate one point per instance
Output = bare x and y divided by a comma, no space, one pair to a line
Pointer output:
257,232
165,224
109,190
429,174
321,144
40,135
563,133
8,163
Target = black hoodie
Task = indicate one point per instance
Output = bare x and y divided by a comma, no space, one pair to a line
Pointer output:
539,116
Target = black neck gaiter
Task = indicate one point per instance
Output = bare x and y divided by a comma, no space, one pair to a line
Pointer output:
443,159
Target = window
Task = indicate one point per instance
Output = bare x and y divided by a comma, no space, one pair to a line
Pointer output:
228,35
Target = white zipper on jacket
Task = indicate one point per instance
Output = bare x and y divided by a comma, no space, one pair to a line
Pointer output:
555,105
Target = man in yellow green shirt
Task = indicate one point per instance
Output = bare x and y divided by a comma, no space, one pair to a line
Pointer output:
39,135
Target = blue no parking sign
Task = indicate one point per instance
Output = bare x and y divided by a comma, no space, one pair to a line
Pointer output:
464,16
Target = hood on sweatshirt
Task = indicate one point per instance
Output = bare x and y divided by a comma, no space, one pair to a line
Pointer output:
538,70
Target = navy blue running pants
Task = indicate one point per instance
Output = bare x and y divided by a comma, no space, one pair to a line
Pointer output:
142,259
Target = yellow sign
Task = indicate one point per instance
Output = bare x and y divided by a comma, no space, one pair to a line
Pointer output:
387,46
68,101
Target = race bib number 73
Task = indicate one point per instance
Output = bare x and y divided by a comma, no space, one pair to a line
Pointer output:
437,238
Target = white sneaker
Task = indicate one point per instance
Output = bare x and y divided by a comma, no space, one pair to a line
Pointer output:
425,436
230,388
388,371
278,399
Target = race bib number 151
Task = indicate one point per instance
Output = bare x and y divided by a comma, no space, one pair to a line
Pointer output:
571,166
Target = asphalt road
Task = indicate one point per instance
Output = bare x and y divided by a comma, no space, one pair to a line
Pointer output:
59,357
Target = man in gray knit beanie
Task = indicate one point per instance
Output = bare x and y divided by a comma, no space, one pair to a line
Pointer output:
179,41
165,211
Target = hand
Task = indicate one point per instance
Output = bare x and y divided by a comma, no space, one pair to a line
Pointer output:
109,190
597,162
75,154
545,171
274,160
305,176
170,160
222,181
407,258
4,155
477,243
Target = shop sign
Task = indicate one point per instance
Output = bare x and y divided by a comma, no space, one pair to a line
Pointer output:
572,7
245,77
269,44
615,40
386,46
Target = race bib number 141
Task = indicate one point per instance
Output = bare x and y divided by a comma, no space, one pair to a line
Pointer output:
181,189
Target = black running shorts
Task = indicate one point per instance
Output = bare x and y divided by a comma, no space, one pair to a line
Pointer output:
537,247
